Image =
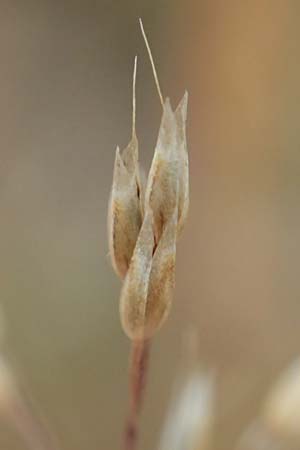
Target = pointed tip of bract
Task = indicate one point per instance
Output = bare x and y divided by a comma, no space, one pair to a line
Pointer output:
182,106
168,117
119,168
184,101
118,165
130,155
167,105
118,157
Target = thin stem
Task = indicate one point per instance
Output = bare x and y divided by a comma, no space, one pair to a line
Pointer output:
137,382
152,63
134,97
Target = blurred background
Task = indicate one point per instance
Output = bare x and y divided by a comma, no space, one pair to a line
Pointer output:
65,89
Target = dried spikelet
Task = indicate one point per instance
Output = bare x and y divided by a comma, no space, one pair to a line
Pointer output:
162,187
125,209
167,196
170,161
125,216
144,223
168,183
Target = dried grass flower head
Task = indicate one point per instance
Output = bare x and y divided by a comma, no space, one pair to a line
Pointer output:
145,221
191,414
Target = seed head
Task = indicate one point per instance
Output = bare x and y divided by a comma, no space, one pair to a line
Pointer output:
143,228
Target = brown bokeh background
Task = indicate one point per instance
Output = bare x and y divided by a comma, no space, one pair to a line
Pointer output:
65,89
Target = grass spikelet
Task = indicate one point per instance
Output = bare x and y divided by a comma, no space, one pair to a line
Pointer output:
143,230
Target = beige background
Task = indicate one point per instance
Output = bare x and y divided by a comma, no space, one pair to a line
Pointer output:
65,80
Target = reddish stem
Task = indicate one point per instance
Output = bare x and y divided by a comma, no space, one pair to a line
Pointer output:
137,382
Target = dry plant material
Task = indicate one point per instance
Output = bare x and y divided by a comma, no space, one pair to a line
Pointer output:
143,231
144,225
191,413
125,209
137,381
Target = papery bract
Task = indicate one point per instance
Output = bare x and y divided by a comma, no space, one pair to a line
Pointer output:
125,215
